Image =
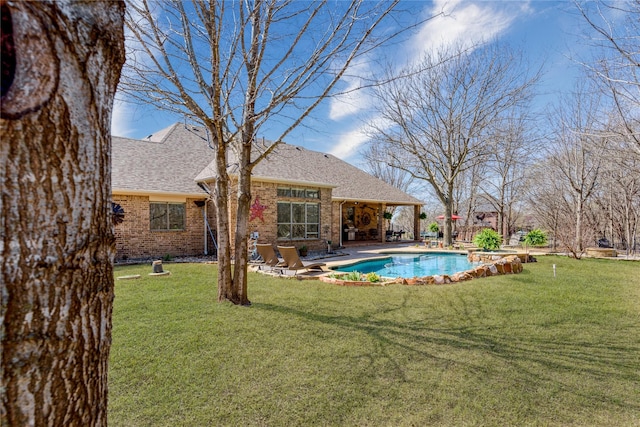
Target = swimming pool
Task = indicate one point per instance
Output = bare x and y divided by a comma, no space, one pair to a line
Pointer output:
411,265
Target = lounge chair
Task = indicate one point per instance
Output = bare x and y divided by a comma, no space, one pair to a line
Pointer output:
269,258
292,261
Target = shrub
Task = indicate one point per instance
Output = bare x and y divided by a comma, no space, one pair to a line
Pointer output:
355,276
488,239
536,237
433,227
372,277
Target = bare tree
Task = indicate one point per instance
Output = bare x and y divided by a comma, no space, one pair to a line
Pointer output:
513,149
576,154
60,66
234,66
545,196
435,121
615,33
467,198
618,196
378,164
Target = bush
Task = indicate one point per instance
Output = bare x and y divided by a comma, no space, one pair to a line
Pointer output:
536,237
488,239
355,276
433,227
372,277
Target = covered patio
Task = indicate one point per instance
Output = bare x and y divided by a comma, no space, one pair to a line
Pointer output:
363,223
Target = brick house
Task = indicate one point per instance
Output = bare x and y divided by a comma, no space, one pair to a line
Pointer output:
299,197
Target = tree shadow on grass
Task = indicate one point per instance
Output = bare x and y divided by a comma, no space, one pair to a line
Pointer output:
528,354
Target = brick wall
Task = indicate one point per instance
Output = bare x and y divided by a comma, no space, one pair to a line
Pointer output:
268,229
134,238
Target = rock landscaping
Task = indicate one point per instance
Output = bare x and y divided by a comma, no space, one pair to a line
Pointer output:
602,252
489,257
506,264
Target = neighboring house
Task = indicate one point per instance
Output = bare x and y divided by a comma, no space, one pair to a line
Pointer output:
485,217
299,197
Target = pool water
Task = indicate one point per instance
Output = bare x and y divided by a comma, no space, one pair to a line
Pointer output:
412,265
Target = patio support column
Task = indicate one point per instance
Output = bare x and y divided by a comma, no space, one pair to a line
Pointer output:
340,223
416,222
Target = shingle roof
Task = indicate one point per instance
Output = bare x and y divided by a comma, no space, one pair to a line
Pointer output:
173,159
165,162
297,165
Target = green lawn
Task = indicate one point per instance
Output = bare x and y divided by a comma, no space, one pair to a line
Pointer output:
516,350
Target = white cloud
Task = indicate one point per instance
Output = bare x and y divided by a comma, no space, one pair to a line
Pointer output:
352,100
121,119
349,142
464,22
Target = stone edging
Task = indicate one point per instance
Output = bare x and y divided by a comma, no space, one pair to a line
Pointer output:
602,252
510,264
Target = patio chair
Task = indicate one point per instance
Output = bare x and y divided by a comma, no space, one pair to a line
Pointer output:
292,261
373,233
269,258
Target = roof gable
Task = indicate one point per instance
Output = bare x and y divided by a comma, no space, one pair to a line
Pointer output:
165,162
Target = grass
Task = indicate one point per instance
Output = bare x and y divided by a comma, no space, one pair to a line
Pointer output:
526,349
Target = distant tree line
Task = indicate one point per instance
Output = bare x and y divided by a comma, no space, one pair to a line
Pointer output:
462,124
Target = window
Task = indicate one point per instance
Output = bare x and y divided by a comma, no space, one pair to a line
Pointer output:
298,220
167,216
299,193
284,192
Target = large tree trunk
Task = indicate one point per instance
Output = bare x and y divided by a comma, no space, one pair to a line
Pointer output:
60,67
221,201
241,249
578,240
448,213
448,223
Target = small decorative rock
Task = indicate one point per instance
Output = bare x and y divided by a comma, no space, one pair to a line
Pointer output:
157,266
157,269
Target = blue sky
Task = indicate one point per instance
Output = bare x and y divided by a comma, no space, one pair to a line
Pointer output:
549,32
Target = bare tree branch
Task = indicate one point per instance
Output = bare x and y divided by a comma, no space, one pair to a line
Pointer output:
235,66
435,123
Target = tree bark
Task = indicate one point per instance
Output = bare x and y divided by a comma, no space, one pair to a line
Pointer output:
57,242
221,201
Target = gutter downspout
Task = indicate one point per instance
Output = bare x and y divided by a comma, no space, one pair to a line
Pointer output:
204,229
